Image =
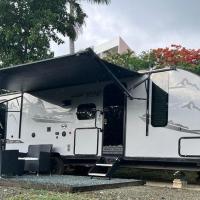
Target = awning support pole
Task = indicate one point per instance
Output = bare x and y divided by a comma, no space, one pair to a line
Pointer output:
117,81
138,83
20,120
158,70
10,99
147,105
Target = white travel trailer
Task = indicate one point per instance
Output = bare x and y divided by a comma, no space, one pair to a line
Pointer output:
91,110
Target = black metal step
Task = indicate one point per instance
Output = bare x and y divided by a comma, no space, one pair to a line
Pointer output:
104,167
97,174
104,164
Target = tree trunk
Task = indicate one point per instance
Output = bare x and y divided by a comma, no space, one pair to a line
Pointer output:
71,41
71,46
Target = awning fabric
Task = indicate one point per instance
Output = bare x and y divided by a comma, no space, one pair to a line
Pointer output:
76,69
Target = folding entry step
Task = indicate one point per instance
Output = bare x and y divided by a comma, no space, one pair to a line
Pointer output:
104,167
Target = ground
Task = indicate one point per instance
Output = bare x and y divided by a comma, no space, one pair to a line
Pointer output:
128,193
154,190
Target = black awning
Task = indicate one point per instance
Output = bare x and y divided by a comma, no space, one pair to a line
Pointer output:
81,68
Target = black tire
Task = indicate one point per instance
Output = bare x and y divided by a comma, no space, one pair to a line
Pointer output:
198,177
57,166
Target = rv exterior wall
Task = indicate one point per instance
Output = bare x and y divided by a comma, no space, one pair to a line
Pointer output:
184,112
46,123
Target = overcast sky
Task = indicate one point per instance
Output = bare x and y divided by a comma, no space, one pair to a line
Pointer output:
143,24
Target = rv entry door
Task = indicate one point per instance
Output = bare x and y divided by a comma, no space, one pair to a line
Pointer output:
114,112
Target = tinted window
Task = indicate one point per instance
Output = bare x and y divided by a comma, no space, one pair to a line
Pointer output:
159,107
86,111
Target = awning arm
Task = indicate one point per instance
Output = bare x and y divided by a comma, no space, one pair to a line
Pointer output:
116,80
138,83
154,71
148,73
1,102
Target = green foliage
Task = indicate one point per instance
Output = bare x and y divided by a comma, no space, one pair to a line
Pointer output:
190,68
130,60
147,59
27,26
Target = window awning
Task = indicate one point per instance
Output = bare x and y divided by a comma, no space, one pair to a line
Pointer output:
80,68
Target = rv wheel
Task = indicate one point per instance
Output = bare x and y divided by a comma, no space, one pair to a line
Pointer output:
198,177
57,166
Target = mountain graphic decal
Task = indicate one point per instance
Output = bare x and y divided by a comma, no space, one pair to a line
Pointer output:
175,126
191,106
184,83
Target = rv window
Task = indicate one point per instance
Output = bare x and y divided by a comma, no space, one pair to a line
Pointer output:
86,111
159,107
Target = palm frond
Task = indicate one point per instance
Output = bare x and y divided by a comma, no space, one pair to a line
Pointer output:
99,1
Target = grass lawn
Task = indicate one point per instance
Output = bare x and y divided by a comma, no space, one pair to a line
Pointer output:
43,194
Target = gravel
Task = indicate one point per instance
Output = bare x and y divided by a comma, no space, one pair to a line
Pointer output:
128,193
68,180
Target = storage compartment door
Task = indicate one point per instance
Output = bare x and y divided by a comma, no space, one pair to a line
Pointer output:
189,147
86,141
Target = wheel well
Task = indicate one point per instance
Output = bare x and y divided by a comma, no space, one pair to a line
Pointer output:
55,154
57,164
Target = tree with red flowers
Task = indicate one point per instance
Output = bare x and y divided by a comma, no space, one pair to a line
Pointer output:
175,55
179,56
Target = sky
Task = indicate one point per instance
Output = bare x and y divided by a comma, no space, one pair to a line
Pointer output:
143,24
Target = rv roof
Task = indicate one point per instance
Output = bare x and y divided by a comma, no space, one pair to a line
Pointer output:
76,69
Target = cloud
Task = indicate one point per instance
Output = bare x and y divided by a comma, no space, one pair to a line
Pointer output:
144,24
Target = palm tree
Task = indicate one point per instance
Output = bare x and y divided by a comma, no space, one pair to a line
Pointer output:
77,28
